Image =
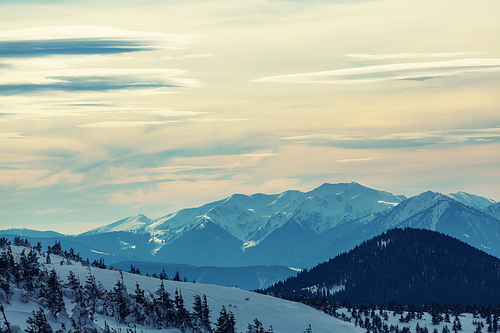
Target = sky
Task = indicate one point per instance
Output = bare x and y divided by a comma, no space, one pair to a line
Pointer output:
114,108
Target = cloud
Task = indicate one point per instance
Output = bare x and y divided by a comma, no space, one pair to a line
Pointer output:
197,56
84,40
364,159
363,56
30,179
11,136
71,47
51,211
95,79
117,124
400,71
399,140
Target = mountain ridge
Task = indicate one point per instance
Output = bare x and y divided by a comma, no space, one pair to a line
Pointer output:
405,266
291,228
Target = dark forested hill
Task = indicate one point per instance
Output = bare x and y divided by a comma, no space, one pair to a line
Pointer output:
405,266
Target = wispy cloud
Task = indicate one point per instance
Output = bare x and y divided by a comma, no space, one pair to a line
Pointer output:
96,79
11,136
400,71
117,124
349,160
399,140
71,47
363,56
71,40
197,56
52,211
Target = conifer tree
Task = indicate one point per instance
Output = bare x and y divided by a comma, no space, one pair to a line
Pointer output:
140,305
53,294
226,322
183,319
73,282
163,307
93,293
38,323
205,322
457,325
81,316
120,301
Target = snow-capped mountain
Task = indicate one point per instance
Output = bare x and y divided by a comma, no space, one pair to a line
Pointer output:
472,200
252,218
437,212
293,228
428,210
226,232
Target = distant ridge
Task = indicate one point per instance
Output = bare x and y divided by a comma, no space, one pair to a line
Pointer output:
23,232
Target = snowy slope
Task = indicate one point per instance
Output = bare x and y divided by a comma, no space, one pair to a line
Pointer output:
284,316
438,212
493,210
472,200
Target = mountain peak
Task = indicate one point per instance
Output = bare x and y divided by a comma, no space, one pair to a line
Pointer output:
132,223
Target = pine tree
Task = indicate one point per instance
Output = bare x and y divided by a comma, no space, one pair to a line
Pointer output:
226,322
120,301
457,325
205,322
73,282
163,308
38,323
92,294
81,316
53,294
183,319
139,305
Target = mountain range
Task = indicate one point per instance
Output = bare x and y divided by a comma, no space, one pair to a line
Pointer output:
293,228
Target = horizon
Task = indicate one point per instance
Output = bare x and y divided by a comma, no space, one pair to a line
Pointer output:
118,107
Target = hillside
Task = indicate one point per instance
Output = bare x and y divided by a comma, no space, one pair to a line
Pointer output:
405,266
115,288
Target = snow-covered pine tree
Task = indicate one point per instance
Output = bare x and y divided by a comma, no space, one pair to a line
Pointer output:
73,283
93,294
81,317
139,305
163,310
120,301
38,323
53,294
183,318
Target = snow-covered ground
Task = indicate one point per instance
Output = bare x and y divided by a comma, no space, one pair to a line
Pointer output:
284,316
